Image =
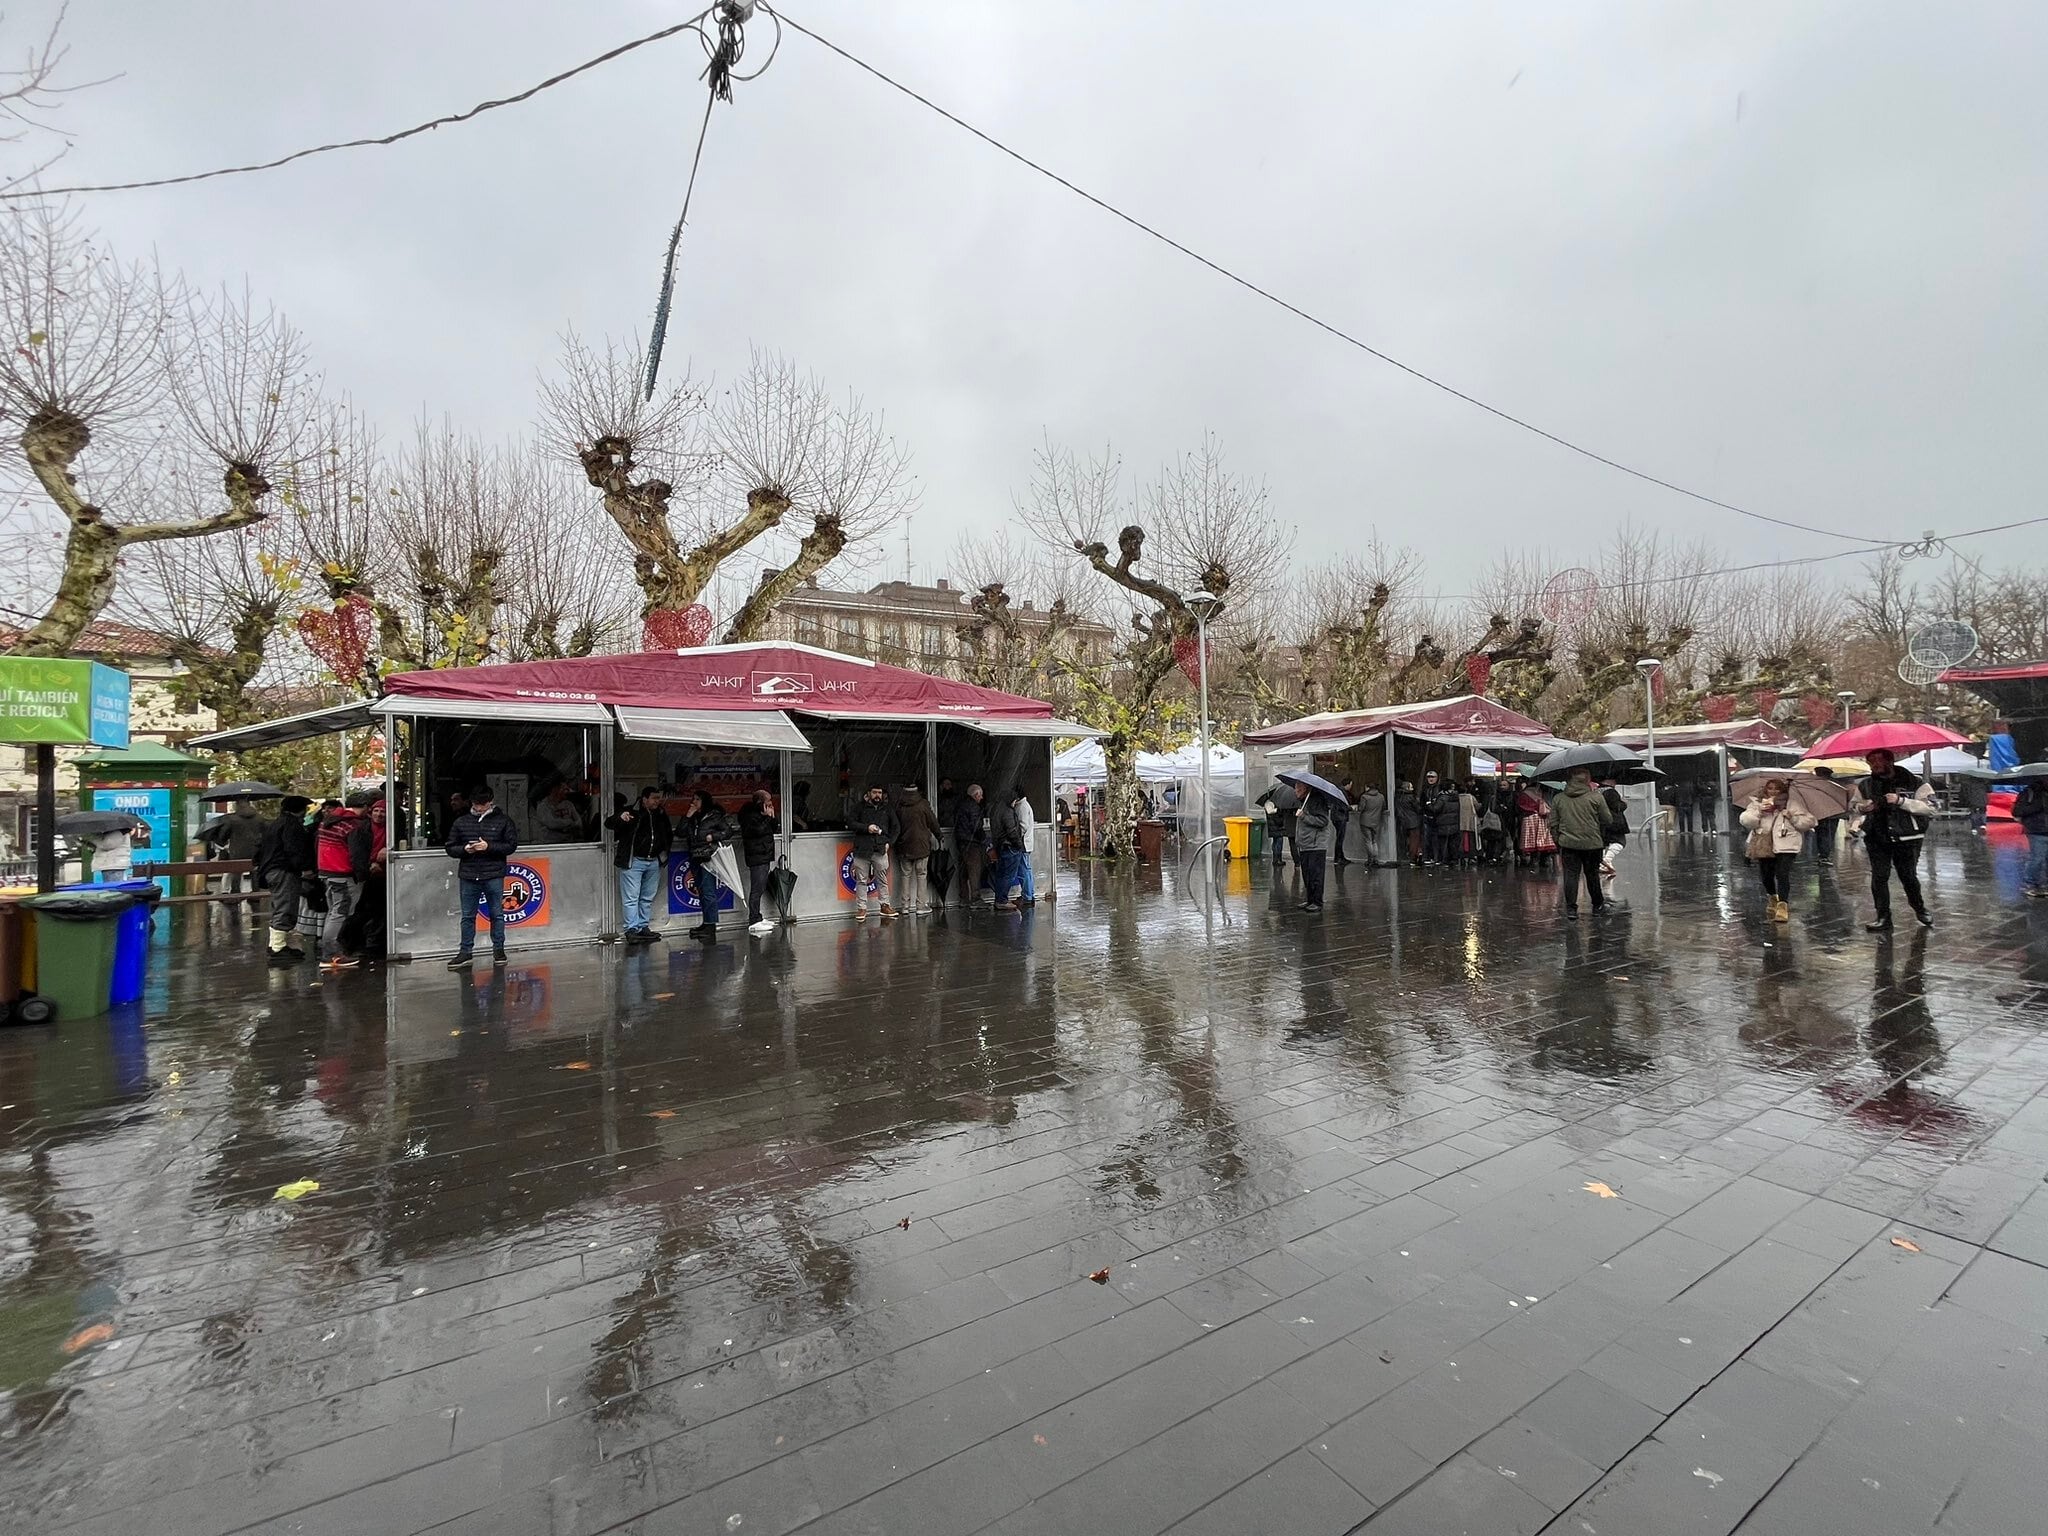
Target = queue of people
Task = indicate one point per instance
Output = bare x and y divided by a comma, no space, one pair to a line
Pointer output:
324,869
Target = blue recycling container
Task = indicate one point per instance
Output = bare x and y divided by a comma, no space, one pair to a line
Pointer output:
131,936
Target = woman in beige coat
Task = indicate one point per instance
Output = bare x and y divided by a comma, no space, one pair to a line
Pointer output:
1777,831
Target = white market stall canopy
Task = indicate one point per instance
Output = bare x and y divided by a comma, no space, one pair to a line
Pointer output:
1749,736
1084,764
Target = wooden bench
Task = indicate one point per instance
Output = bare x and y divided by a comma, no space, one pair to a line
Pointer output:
197,872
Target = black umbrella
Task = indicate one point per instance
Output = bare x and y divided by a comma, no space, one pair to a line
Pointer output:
93,823
2019,775
244,789
1603,759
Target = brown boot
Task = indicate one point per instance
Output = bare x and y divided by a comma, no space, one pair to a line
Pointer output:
1780,912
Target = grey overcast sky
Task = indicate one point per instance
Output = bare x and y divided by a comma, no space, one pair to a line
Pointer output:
1789,252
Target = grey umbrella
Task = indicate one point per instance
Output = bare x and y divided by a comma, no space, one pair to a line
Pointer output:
244,789
1316,782
1603,759
2018,775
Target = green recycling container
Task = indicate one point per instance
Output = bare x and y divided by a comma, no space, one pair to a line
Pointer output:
1258,838
76,934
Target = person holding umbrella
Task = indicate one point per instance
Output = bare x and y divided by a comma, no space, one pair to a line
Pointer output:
1777,831
1583,825
1894,804
1315,827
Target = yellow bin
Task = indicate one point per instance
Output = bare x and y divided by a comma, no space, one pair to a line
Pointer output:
1238,829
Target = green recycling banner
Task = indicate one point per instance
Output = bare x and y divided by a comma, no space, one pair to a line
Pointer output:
70,703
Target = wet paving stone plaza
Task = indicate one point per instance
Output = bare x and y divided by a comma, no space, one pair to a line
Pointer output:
1430,1214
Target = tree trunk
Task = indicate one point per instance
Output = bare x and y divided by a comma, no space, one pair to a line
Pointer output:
221,682
1123,799
91,562
820,547
52,442
668,576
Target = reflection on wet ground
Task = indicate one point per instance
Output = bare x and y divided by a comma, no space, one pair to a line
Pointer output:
1433,1214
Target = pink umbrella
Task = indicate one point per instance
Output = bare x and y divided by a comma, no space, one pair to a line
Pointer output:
1897,737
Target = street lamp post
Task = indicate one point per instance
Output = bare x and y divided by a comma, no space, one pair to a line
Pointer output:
1202,605
1649,666
1847,696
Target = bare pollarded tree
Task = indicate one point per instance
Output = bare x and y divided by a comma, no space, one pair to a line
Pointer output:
691,480
562,595
1204,527
841,478
143,413
1028,622
30,95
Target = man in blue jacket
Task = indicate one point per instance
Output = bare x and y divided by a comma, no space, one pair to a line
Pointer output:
482,838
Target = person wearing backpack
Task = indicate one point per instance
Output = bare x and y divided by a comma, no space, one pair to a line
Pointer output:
334,856
1895,808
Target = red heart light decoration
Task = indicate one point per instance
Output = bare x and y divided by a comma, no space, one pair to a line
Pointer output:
1187,651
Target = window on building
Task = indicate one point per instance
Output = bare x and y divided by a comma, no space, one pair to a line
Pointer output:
849,633
892,634
808,630
934,640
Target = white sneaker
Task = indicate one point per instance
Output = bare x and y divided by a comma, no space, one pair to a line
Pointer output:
763,926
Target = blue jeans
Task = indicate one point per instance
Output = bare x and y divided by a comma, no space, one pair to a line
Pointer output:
492,893
639,883
2037,863
707,892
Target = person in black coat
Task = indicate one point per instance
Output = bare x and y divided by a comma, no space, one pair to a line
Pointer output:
284,856
642,836
481,839
973,842
758,831
704,831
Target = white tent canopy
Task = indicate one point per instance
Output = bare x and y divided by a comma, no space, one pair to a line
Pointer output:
1083,764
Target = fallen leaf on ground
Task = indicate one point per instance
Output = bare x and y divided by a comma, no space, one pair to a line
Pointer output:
1595,1187
1906,1243
663,1114
1100,1277
662,997
85,1338
904,1224
297,1188
575,1066
1038,1439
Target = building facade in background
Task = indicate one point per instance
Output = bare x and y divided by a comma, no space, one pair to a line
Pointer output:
909,625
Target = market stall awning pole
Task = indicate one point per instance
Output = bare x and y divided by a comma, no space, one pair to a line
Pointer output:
1390,830
46,817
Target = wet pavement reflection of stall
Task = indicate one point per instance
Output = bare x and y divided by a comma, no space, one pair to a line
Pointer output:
799,1230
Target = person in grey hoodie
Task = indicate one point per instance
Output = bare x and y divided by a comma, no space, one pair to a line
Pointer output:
1315,833
1583,823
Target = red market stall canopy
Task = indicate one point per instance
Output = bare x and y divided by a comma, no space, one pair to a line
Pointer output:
738,695
1751,735
1467,721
